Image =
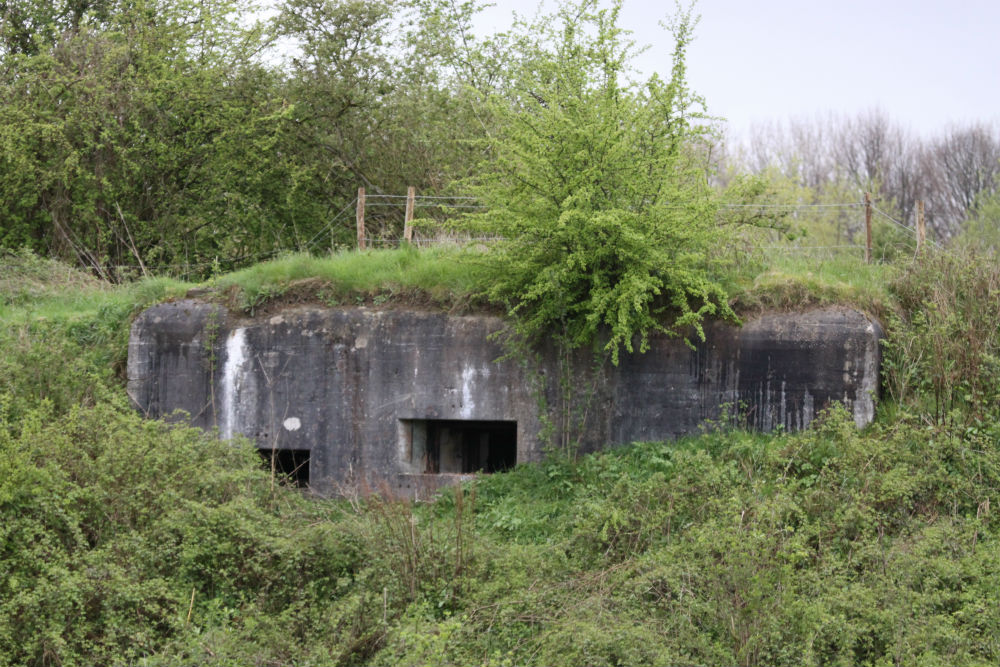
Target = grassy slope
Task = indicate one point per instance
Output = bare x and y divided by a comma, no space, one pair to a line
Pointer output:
128,541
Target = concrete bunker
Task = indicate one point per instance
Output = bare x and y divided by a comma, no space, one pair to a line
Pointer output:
408,400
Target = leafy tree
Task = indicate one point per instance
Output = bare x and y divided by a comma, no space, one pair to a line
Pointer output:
27,26
381,101
151,136
982,229
600,187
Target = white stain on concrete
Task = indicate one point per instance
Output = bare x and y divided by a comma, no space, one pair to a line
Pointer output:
808,410
468,403
292,424
864,399
233,372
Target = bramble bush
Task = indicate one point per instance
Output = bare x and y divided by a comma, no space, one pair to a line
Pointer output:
113,524
826,547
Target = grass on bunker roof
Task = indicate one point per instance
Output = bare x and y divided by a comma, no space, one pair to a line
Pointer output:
454,278
447,277
450,278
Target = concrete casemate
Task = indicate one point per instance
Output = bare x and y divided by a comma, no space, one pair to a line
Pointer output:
406,400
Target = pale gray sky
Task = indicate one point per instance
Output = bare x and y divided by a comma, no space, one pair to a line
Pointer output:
927,63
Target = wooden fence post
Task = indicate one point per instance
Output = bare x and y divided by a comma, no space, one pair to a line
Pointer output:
921,226
411,196
360,217
868,228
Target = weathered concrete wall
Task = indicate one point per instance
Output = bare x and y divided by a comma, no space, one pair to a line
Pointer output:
345,383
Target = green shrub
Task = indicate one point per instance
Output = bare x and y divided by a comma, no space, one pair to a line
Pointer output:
112,524
943,353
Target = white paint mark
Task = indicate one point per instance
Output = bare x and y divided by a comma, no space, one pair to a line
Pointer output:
361,342
292,424
232,371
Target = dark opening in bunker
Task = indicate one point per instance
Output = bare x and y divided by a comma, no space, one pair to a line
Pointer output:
459,446
289,464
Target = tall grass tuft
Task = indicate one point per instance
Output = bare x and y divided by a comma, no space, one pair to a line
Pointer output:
789,280
446,275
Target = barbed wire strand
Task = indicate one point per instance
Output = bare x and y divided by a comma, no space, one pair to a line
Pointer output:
809,247
396,206
337,217
900,224
188,267
894,221
850,205
419,197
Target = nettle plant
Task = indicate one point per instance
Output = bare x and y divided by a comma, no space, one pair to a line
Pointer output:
601,188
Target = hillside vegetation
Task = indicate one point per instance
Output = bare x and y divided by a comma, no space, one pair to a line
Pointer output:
133,541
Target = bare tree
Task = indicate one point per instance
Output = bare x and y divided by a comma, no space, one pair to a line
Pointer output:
877,155
798,149
961,167
846,156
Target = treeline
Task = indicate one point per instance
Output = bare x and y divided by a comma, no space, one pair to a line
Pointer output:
174,136
832,158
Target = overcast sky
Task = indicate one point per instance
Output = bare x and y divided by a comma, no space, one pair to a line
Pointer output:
927,63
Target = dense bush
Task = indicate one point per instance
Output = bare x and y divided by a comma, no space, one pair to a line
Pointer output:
600,189
829,547
115,525
943,353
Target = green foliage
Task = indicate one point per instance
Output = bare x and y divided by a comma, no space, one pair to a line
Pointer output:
156,137
26,278
600,190
157,141
113,523
789,280
64,333
739,549
944,350
380,100
982,226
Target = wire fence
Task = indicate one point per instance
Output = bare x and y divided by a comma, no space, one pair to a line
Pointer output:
425,221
